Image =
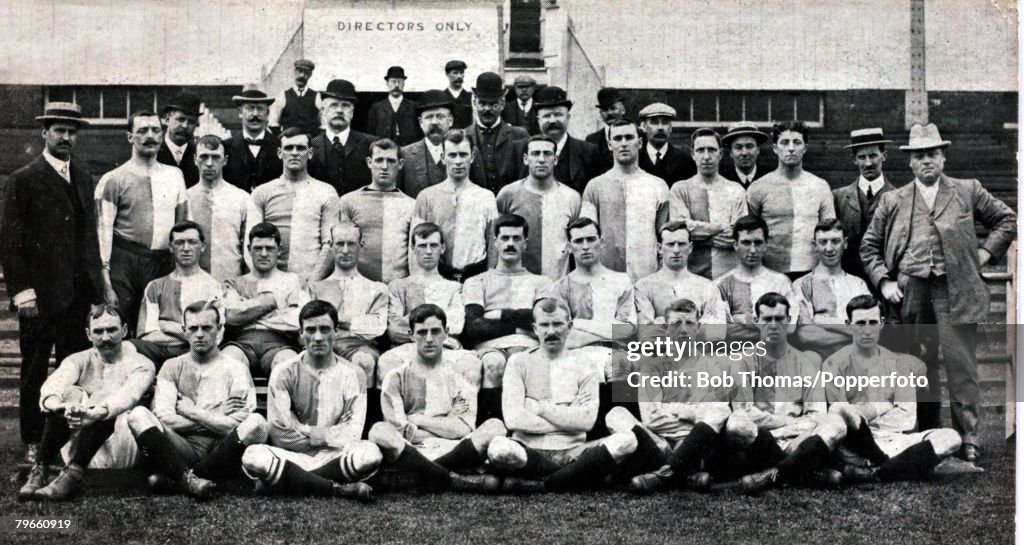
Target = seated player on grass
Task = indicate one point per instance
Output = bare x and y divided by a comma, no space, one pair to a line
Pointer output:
888,413
83,399
429,428
316,408
203,415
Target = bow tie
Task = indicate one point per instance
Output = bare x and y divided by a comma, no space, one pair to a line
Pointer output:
254,141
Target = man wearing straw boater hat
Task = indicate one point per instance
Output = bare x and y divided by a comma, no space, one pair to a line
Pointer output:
50,256
922,253
180,118
252,154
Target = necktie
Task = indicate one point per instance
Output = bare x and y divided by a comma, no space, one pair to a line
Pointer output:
657,157
749,180
870,193
254,141
337,145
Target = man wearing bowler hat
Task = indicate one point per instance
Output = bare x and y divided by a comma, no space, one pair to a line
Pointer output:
340,152
611,107
498,153
252,154
743,142
922,252
577,160
658,157
455,70
50,257
423,161
395,116
520,112
297,106
180,118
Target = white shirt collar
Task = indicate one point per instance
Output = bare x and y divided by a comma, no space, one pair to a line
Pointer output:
342,136
876,185
395,102
436,152
928,193
744,177
62,167
527,107
456,94
302,91
652,151
178,151
561,144
255,150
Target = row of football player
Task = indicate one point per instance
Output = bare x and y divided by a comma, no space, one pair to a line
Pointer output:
202,426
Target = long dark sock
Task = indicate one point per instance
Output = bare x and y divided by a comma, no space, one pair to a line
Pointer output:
912,464
686,458
488,405
764,452
810,454
296,481
224,460
55,435
647,456
604,404
90,440
155,446
585,473
374,413
429,473
863,442
463,456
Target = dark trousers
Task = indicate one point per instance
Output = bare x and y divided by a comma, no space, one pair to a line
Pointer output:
90,439
37,339
926,305
132,267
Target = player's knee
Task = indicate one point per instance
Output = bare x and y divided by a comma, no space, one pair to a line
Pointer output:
493,364
365,361
505,453
714,416
387,438
832,430
389,361
469,366
235,353
253,430
946,442
620,420
141,419
850,415
620,445
486,432
260,462
361,461
740,430
281,357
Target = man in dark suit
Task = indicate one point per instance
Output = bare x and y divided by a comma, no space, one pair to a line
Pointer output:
499,153
50,254
611,107
658,157
180,118
340,152
463,112
520,112
252,155
395,116
922,252
577,160
744,142
423,161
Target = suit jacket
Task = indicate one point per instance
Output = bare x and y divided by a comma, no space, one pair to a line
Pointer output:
674,166
352,172
243,170
577,164
380,121
508,155
462,114
415,172
37,234
848,211
604,161
728,171
514,116
958,204
188,162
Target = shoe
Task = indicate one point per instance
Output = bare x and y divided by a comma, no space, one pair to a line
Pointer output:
32,453
515,485
699,481
160,483
970,453
756,483
197,487
648,483
36,480
357,491
64,486
821,478
858,474
483,484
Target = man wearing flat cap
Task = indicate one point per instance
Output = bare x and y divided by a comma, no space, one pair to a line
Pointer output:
922,252
577,160
395,116
611,107
520,112
50,256
743,142
180,118
252,154
339,151
658,157
455,70
499,154
297,106
423,161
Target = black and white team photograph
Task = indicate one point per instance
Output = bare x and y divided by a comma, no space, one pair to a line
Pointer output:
509,271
